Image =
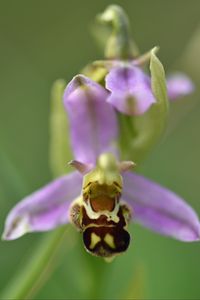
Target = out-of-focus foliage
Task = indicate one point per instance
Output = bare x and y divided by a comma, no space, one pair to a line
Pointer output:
43,41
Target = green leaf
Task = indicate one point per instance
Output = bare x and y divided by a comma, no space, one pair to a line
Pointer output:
59,148
158,83
139,134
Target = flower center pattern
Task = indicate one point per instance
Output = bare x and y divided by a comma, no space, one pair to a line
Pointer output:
102,218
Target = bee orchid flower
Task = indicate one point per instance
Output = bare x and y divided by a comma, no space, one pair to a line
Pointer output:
103,195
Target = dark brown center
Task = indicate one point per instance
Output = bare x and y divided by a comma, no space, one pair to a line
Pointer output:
106,241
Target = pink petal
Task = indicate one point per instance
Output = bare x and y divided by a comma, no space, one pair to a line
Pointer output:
130,90
179,85
159,209
93,121
45,209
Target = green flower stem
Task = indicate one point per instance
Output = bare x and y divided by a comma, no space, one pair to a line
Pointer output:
136,286
28,281
99,270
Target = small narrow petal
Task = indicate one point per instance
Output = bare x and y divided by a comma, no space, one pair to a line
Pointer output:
93,121
81,167
130,90
179,85
126,165
159,209
45,209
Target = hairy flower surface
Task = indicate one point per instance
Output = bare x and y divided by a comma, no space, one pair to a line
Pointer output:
104,195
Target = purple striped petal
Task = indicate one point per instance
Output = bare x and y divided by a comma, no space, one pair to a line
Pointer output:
130,90
179,85
93,121
160,209
45,209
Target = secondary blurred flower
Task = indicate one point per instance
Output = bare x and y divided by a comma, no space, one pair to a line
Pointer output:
130,88
98,187
179,85
122,70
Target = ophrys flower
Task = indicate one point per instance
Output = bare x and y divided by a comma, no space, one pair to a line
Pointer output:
106,195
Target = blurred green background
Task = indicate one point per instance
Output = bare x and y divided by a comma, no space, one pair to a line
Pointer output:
45,40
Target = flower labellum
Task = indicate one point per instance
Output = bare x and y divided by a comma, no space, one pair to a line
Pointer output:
99,213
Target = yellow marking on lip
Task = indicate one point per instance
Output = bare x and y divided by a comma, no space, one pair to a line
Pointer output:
94,240
111,215
109,239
